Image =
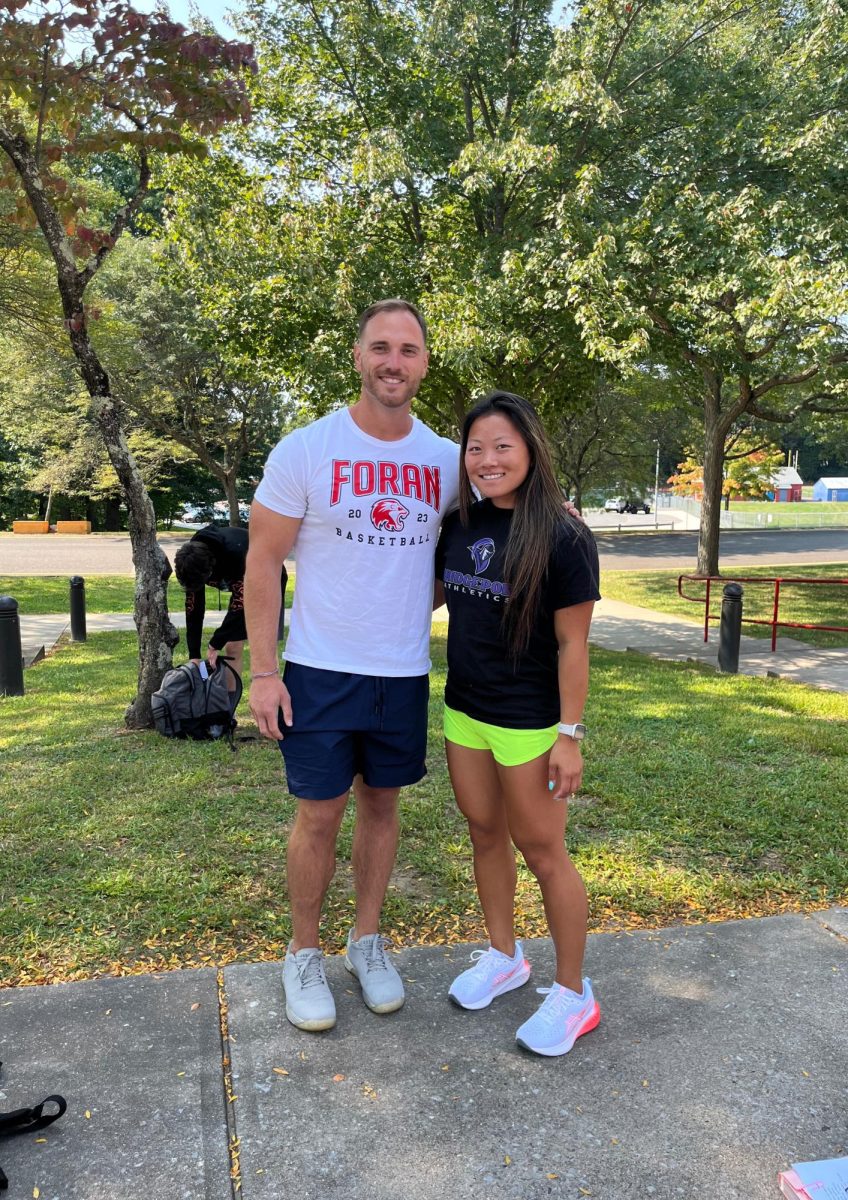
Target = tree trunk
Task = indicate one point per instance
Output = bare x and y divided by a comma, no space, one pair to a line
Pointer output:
708,535
156,634
49,503
232,498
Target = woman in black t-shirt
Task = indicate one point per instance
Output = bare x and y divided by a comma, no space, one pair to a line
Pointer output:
520,578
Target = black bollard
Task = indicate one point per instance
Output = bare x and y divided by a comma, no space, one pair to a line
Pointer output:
11,658
730,629
77,601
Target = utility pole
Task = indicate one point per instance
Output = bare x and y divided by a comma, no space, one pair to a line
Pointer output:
657,489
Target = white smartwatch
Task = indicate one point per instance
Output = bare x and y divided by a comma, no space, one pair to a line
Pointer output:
576,731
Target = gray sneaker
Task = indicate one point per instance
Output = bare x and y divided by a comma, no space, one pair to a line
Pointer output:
309,1001
382,988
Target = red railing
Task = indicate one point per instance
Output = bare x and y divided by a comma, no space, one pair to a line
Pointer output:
774,622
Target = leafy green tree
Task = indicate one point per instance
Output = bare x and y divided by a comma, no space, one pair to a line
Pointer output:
609,430
27,294
821,447
106,78
42,413
707,226
181,373
55,463
406,151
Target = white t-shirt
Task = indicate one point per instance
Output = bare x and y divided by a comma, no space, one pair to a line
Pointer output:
371,515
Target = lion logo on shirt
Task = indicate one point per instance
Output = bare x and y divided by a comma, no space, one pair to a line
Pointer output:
389,514
482,553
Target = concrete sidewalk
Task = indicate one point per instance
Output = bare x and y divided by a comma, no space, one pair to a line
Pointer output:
40,632
619,626
721,1057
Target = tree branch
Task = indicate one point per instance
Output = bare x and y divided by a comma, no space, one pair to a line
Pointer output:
42,105
121,220
334,52
784,381
696,35
815,403
488,119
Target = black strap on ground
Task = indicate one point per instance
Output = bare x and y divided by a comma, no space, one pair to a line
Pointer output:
28,1120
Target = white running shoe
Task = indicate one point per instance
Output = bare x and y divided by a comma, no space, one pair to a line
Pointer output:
382,987
309,1001
493,974
561,1019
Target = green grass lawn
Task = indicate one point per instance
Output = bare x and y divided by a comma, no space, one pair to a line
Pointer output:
820,605
103,593
706,797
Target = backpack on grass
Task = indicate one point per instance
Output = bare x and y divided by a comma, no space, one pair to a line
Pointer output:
195,702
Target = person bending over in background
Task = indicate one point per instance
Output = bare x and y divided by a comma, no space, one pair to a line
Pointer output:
216,556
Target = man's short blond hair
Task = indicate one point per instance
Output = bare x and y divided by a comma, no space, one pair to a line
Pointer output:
394,305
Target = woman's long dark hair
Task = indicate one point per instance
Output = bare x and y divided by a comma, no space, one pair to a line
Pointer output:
537,519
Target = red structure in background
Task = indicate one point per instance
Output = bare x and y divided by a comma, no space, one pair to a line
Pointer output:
774,622
787,485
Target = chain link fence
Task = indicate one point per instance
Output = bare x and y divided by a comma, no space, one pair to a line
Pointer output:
780,515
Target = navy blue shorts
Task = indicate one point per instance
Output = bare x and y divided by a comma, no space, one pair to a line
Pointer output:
346,725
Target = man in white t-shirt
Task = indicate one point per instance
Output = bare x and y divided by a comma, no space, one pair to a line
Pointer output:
361,492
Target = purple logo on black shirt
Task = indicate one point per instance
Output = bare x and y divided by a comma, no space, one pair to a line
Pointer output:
482,553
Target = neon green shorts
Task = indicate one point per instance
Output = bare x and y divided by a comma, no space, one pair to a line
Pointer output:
510,747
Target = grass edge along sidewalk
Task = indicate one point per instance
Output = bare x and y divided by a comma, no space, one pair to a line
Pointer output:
40,594
822,605
652,589
706,797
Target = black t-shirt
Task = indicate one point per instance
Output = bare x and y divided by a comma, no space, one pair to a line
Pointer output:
228,547
484,681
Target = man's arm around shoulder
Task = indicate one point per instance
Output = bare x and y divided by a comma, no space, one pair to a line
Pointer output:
272,538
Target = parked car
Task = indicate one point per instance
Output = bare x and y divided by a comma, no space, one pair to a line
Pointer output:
622,504
197,514
221,510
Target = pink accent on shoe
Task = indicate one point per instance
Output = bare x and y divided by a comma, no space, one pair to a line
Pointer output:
553,1030
586,1024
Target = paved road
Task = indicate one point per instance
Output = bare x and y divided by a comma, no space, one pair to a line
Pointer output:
71,554
109,554
643,551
